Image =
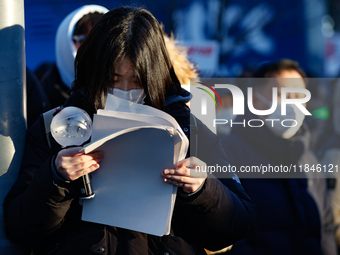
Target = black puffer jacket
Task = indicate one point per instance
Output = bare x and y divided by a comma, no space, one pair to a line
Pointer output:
44,214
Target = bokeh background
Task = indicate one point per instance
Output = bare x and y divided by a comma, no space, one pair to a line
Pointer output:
225,37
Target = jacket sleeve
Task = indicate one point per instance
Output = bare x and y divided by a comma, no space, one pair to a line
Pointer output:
36,205
222,213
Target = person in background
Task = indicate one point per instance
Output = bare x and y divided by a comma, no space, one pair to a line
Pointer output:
184,69
224,111
293,214
124,54
37,102
57,78
328,152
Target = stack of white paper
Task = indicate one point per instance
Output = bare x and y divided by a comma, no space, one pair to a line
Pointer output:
139,142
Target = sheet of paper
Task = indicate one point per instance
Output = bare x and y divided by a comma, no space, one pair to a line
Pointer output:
172,206
111,129
104,125
124,109
137,117
114,103
130,192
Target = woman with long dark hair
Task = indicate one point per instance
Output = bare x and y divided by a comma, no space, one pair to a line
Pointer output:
124,54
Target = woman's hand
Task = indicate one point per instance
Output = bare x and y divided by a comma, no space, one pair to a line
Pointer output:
72,164
185,175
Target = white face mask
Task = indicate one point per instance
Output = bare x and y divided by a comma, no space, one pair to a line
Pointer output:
226,114
132,95
292,113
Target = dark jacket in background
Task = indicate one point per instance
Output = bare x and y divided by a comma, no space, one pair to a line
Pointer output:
57,92
293,214
37,101
41,212
328,152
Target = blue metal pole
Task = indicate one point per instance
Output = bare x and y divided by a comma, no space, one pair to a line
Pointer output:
12,105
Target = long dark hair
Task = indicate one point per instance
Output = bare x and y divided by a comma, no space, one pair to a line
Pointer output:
125,32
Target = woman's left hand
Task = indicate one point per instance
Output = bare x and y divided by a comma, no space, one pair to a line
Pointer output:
185,174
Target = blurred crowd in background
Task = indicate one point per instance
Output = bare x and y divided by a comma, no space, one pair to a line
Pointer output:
239,39
224,38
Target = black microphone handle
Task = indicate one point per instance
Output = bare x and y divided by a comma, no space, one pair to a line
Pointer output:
84,182
86,187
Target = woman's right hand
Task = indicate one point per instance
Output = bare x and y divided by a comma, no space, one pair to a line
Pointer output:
72,164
